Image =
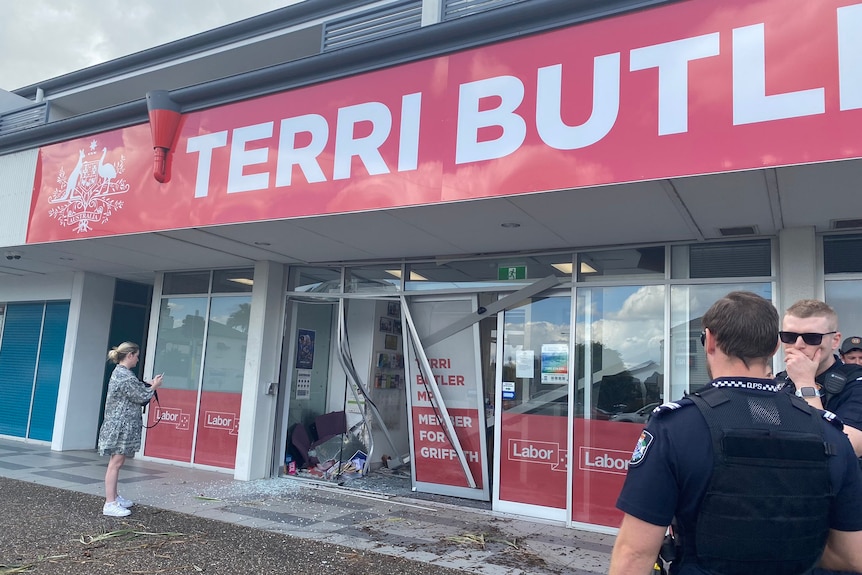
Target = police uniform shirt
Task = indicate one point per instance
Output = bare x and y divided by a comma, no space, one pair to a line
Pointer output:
847,405
672,464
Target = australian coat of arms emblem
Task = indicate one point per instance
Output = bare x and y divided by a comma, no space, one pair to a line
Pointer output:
87,194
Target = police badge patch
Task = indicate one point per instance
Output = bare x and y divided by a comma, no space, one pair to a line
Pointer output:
644,441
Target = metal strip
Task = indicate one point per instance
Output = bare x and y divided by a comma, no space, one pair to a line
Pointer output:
499,305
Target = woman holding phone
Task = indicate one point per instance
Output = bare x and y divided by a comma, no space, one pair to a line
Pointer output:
120,436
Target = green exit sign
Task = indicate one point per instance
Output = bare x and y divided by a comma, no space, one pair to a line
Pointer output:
512,273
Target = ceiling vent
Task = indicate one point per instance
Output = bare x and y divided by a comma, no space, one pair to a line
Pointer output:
846,224
738,231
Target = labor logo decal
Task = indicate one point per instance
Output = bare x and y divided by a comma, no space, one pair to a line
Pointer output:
87,194
644,441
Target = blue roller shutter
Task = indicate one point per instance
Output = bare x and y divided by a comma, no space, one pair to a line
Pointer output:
48,371
18,366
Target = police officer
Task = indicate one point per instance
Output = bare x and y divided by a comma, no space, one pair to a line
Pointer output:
851,350
809,332
755,480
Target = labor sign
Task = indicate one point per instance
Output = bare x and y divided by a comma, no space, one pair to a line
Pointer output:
693,87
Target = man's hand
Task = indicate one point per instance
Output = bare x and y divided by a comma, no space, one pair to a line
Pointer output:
800,368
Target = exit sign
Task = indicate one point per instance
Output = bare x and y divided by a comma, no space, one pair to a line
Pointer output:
512,273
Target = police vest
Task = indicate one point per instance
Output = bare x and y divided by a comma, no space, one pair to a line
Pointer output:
766,509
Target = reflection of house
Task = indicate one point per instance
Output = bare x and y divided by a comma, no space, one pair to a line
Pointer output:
224,363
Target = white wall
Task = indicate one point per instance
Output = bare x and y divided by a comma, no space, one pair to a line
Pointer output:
262,361
798,277
80,395
36,287
16,188
797,261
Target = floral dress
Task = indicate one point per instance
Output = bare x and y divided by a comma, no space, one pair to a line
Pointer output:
121,429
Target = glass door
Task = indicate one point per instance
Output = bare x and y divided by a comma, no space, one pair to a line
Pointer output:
221,384
311,330
179,356
620,378
533,393
446,399
200,348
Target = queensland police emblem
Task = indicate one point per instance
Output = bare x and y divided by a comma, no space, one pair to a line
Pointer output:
644,441
86,195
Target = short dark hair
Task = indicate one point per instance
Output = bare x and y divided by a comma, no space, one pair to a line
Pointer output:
744,325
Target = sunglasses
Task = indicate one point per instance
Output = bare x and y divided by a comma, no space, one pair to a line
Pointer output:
808,338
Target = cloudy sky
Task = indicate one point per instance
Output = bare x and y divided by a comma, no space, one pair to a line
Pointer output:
42,39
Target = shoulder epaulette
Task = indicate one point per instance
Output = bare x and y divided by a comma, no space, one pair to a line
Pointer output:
833,419
666,408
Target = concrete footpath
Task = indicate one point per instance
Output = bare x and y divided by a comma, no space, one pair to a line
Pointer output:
448,534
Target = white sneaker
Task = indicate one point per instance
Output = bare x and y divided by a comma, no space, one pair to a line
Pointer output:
124,502
114,509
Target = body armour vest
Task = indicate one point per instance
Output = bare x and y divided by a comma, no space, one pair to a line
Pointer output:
766,509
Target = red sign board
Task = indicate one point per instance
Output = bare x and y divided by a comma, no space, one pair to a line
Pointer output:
689,88
217,427
436,461
171,423
601,454
534,457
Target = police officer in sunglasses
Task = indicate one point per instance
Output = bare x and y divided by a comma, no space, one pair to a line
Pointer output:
754,480
809,334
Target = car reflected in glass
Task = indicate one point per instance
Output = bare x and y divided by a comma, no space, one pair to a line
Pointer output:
639,416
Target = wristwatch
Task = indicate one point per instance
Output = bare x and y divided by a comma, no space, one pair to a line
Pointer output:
808,392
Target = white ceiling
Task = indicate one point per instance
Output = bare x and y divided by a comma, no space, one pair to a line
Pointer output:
685,209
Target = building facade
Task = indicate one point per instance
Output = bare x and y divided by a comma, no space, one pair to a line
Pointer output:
486,231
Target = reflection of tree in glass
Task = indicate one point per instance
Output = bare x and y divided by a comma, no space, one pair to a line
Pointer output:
166,320
601,356
240,318
193,326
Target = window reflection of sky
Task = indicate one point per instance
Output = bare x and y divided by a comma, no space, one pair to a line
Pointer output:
224,309
693,301
630,319
625,319
180,308
549,320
